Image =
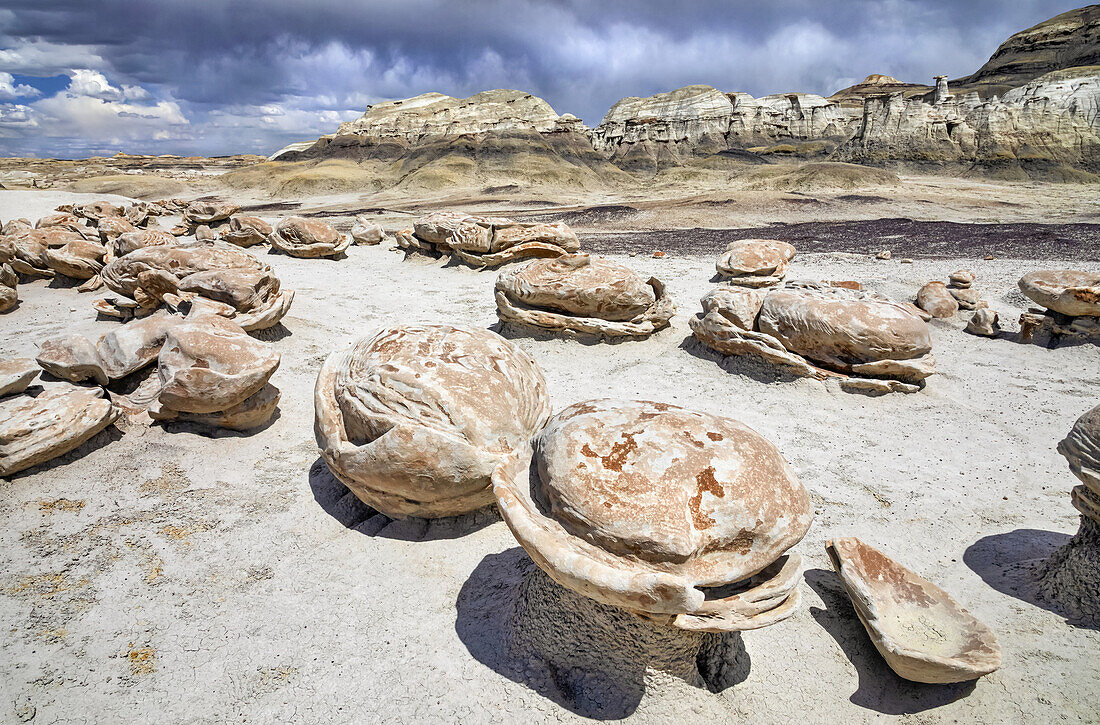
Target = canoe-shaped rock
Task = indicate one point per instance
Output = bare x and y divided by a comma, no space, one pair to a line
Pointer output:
1068,291
415,419
583,294
37,428
921,632
308,238
679,516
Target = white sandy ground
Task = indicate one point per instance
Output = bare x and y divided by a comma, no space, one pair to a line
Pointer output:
170,575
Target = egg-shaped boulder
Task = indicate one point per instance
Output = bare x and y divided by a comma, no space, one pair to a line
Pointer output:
245,231
308,238
678,515
579,293
415,418
1070,292
755,262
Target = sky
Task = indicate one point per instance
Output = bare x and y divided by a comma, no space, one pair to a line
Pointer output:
94,77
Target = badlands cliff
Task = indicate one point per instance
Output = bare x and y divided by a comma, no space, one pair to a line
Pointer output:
1032,111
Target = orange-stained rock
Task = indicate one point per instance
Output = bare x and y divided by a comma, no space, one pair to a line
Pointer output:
415,418
921,632
489,241
1068,291
645,505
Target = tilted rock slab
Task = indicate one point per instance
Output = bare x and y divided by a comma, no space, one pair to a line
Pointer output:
582,294
35,429
214,270
415,419
645,505
1069,292
1071,576
921,632
9,280
79,259
755,262
817,330
308,238
140,239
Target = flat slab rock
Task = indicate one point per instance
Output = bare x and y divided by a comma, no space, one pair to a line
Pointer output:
37,428
643,505
921,632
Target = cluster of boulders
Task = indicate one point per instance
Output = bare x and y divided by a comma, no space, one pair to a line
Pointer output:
822,330
683,518
581,294
487,241
1071,302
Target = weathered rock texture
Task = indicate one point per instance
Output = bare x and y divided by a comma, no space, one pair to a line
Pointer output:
934,299
223,273
309,238
755,262
581,294
1068,292
1071,576
415,419
487,241
819,330
245,231
115,355
921,632
366,232
35,429
651,508
16,374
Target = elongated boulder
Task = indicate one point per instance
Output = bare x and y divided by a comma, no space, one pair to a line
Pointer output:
35,429
583,294
921,632
308,238
31,248
214,270
112,227
755,262
935,299
97,210
870,343
79,259
140,239
1070,292
659,510
415,419
489,241
246,231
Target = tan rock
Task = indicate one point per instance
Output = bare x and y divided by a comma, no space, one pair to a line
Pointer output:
967,297
415,419
9,296
215,270
583,294
651,508
308,238
30,249
739,305
489,241
961,279
1066,291
883,255
921,632
79,259
936,300
204,233
141,239
16,374
983,322
97,210
366,232
210,213
246,231
113,356
35,429
755,262
112,227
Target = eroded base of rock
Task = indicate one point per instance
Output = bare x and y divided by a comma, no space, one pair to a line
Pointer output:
1070,578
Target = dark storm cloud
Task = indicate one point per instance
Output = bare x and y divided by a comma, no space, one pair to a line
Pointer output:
252,74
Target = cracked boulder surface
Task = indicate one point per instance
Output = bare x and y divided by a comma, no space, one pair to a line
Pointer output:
682,517
577,293
488,241
216,271
755,262
415,419
308,238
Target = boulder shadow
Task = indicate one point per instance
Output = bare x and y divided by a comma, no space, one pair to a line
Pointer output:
60,281
275,333
338,501
516,330
746,365
1011,563
215,432
510,613
880,688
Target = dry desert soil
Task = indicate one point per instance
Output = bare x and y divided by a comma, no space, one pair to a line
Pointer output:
174,574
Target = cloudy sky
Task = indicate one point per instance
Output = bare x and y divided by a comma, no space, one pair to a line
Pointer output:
86,77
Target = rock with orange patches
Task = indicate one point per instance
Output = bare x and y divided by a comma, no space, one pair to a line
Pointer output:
755,262
577,293
1069,292
415,419
921,632
682,517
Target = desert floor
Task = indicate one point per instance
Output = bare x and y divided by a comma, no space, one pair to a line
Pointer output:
171,574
